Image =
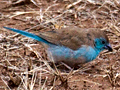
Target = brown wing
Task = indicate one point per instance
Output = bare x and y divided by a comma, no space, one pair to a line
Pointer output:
72,37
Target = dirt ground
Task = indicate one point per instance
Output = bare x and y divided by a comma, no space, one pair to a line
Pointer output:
23,62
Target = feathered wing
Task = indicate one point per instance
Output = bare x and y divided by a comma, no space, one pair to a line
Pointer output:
72,37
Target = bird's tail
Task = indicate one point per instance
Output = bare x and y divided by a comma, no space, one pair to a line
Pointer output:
27,34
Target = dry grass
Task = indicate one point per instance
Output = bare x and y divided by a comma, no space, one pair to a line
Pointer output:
23,66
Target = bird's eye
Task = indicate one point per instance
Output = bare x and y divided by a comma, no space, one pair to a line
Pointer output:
103,42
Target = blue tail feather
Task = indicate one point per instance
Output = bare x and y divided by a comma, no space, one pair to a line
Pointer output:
33,36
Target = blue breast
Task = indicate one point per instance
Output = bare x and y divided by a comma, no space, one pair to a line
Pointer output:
86,52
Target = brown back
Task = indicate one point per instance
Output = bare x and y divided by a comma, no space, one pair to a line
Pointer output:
73,37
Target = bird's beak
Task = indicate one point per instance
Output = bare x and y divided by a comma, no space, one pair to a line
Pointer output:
108,47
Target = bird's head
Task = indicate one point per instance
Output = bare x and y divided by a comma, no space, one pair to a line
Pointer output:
102,43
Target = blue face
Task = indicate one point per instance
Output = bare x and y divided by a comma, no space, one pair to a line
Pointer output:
101,44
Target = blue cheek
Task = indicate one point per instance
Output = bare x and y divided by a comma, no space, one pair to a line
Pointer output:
98,43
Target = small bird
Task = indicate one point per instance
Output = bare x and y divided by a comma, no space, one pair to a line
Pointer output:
71,45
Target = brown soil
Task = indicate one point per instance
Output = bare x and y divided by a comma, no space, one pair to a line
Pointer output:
23,61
